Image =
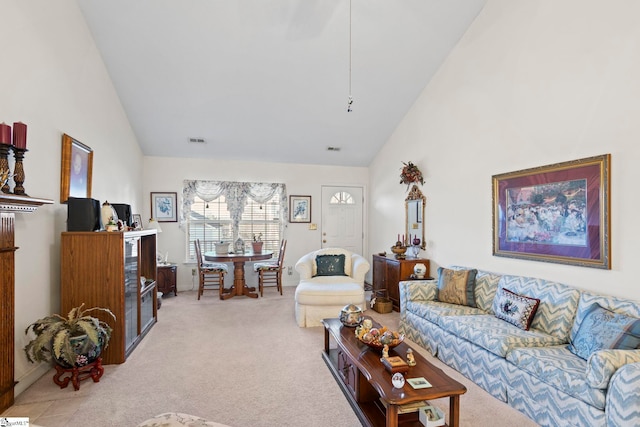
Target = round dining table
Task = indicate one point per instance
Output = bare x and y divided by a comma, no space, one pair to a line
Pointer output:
239,284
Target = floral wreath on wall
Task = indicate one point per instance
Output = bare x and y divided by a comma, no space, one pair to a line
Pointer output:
410,174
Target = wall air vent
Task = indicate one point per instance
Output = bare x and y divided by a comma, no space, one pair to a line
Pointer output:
333,148
197,140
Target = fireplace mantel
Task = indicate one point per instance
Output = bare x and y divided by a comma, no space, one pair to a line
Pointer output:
10,204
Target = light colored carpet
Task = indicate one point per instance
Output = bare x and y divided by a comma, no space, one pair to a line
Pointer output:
241,362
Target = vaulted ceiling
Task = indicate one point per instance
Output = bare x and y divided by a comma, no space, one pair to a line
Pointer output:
269,80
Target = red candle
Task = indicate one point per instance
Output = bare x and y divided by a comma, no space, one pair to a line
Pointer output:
5,133
20,135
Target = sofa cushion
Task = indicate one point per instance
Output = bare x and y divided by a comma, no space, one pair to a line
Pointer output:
456,286
558,303
618,305
603,329
560,368
516,309
602,364
495,335
325,290
434,310
330,265
333,251
485,291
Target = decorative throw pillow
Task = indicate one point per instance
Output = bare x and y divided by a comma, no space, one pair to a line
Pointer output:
604,329
516,309
456,286
330,265
333,251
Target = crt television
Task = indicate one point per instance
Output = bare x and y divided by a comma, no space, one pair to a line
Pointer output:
83,214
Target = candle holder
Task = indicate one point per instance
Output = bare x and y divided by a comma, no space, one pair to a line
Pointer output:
4,165
18,177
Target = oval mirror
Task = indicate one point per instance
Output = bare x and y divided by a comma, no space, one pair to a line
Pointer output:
414,219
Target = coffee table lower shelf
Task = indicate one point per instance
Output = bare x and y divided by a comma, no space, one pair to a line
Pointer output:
371,413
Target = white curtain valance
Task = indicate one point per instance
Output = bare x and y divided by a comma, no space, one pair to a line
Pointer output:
236,194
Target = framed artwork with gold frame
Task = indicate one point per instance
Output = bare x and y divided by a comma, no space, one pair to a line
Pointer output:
557,213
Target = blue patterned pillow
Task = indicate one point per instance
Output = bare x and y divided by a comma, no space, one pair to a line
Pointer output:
457,286
516,309
330,265
604,329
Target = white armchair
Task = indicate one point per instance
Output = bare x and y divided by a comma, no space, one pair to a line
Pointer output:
322,294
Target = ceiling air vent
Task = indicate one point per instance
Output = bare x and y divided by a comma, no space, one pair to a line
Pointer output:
197,140
333,148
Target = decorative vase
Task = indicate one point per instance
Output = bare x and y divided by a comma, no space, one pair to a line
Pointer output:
420,270
351,315
257,247
86,352
108,214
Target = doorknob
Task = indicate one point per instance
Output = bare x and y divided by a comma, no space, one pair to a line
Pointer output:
324,241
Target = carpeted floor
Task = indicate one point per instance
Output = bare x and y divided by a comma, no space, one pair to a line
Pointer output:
241,362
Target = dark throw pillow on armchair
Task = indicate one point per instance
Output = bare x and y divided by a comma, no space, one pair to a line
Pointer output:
330,265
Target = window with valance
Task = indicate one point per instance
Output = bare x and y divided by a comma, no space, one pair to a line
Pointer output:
215,211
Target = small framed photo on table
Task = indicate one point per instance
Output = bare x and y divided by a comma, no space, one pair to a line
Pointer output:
164,207
299,208
137,222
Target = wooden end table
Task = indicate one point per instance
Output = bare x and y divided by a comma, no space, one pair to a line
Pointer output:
167,279
364,380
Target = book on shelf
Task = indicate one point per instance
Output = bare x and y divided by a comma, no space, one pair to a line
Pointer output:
408,407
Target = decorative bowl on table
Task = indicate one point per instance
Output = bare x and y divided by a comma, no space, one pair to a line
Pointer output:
398,250
377,338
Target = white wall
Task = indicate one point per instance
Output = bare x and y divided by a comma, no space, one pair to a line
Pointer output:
163,174
531,83
52,78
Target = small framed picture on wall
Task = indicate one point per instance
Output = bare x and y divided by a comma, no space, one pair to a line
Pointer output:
164,207
299,208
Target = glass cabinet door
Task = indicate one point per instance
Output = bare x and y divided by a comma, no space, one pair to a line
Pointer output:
131,286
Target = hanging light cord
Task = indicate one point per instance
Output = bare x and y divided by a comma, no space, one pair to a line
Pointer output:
350,56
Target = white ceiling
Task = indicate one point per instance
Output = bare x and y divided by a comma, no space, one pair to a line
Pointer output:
268,80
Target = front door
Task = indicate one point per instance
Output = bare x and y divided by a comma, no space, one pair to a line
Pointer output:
342,218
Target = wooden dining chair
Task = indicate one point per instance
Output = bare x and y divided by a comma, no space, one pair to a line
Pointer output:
210,274
270,273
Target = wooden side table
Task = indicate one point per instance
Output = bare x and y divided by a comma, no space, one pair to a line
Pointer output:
167,279
388,272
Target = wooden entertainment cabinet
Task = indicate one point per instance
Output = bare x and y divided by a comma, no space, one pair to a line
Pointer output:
104,269
388,272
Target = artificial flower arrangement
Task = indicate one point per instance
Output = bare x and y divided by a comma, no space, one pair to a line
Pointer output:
410,173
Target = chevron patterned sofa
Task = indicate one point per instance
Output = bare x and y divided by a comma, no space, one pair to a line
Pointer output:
531,370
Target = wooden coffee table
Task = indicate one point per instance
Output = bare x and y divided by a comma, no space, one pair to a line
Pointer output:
364,380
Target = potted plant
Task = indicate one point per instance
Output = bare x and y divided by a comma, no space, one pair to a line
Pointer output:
74,341
257,243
